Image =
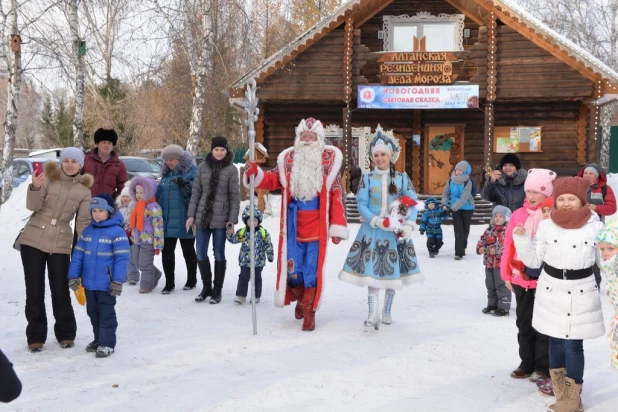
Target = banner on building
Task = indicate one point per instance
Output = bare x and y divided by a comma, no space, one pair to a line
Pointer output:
418,97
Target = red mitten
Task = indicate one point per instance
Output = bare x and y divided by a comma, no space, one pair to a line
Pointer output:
157,251
251,169
386,222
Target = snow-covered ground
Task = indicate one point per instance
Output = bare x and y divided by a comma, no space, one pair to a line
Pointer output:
440,354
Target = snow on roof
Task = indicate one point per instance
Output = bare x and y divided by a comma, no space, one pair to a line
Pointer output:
573,49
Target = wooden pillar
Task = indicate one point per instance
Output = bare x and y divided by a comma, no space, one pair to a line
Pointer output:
348,51
416,149
582,135
492,74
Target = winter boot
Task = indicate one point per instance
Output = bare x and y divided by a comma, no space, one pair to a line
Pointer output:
489,309
219,278
169,266
298,292
191,275
389,296
373,320
206,274
571,400
557,379
240,299
92,346
308,312
104,352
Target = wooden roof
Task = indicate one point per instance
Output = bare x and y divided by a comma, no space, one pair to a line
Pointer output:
477,10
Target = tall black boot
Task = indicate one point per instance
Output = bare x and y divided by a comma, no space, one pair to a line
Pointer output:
219,277
191,275
169,266
206,274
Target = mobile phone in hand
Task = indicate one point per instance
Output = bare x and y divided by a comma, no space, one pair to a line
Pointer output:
37,168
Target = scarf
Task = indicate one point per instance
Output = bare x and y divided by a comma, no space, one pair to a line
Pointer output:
532,222
461,179
137,215
215,169
571,219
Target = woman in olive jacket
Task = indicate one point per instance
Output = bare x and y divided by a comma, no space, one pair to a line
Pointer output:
214,205
55,198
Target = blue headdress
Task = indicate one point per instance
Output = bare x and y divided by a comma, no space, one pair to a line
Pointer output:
385,140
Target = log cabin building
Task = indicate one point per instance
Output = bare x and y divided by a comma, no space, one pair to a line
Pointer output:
453,79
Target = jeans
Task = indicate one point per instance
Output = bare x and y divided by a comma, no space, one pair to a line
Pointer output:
569,354
218,243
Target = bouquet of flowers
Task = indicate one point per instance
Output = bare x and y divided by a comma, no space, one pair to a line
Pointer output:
399,211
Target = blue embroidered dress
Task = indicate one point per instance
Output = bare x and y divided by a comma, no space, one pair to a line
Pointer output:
376,259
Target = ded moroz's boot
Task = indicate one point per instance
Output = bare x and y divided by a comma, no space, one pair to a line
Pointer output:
308,312
206,274
298,291
218,283
373,320
389,296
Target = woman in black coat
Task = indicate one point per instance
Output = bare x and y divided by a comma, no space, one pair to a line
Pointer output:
505,185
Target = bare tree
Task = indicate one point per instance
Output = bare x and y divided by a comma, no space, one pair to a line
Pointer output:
79,51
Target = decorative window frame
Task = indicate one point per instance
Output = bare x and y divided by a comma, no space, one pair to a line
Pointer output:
425,17
363,134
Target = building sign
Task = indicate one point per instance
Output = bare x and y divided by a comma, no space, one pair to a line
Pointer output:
418,97
417,68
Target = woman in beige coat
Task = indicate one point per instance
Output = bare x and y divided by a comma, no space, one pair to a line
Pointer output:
55,198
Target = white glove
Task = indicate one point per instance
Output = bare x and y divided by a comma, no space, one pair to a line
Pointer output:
408,227
380,224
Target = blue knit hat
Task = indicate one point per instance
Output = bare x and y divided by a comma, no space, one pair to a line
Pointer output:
431,200
102,201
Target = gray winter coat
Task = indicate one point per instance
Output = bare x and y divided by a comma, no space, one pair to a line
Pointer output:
226,203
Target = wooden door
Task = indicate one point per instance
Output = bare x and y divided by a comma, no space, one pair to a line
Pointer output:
444,148
400,164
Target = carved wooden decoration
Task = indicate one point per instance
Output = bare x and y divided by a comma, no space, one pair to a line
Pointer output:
492,66
348,51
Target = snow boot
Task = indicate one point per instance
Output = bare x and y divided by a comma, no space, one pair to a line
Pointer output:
218,283
191,275
389,296
240,299
489,309
92,346
67,344
558,376
545,387
35,347
206,274
308,312
571,400
373,320
104,351
298,292
169,266
500,312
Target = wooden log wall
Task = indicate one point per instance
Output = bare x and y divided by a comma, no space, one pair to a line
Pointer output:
525,71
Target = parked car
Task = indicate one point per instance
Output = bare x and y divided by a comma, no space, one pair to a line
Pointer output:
23,167
140,166
159,160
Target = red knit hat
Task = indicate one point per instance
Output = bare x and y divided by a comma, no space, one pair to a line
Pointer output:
577,186
549,202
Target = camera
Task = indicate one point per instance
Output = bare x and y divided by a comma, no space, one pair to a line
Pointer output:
498,167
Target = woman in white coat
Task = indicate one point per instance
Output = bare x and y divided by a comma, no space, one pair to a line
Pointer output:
568,306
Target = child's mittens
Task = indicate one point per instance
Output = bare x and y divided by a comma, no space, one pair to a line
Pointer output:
422,232
115,289
157,251
74,284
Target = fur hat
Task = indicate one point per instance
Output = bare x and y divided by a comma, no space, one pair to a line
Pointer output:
511,158
385,140
503,210
577,186
549,202
72,153
124,192
172,151
310,125
102,201
463,166
540,180
609,234
246,214
217,141
105,134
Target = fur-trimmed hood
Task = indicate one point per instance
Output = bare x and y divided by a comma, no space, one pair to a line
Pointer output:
124,192
53,171
149,184
519,178
184,164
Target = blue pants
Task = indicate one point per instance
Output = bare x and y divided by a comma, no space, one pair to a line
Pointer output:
245,277
100,306
569,354
305,265
218,243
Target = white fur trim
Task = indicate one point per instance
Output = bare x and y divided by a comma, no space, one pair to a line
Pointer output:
384,208
409,223
365,281
339,231
281,166
374,222
256,180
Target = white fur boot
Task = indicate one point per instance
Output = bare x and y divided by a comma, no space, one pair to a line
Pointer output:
373,320
389,296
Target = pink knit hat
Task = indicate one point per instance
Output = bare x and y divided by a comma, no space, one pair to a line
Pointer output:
540,180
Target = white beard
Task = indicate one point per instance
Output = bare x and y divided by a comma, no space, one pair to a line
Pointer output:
306,177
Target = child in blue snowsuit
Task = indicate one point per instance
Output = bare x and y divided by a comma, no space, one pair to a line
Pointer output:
99,262
263,248
431,223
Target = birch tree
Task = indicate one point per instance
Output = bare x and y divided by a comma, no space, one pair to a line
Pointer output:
80,73
11,52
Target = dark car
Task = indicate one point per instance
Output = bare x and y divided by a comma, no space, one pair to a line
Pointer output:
23,167
140,166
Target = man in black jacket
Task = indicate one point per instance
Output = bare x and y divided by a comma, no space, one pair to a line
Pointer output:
10,386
